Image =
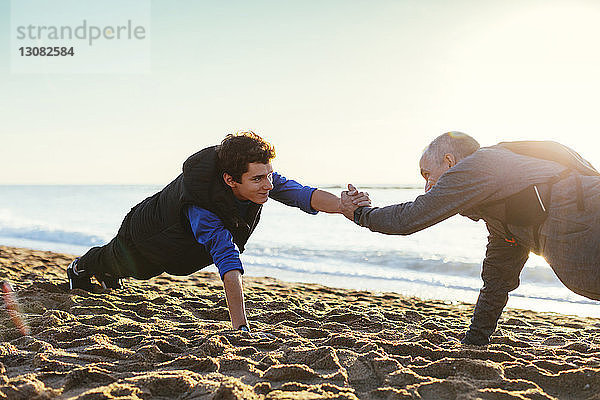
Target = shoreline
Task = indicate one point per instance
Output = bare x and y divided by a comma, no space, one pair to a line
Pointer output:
579,306
170,337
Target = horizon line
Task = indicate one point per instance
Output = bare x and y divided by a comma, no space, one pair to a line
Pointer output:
320,185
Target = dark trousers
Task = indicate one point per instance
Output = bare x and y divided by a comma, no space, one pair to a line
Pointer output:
118,258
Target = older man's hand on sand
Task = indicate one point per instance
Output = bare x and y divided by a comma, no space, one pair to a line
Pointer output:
351,199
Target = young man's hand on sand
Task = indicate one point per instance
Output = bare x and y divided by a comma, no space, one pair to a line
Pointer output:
232,283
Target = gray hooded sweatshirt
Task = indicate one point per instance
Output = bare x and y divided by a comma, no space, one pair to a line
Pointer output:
569,239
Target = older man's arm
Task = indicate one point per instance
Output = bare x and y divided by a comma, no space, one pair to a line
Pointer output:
310,199
405,218
462,187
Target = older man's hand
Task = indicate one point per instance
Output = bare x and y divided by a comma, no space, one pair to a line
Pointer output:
351,199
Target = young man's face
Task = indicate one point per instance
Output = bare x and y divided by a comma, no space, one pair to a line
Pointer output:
256,183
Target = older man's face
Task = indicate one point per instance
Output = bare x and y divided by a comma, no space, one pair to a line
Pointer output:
431,170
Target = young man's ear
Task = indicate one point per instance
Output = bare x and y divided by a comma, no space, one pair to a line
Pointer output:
450,160
229,180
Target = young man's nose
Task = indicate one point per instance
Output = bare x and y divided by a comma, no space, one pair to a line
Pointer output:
268,185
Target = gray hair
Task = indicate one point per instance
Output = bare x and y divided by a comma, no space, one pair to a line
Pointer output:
457,143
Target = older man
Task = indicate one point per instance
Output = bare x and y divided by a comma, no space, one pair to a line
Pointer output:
528,202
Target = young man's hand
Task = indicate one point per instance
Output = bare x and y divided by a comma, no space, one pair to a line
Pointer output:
260,335
232,282
351,199
322,200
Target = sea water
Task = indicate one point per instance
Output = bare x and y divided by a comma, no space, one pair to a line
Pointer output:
441,262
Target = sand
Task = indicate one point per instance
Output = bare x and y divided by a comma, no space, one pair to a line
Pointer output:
170,338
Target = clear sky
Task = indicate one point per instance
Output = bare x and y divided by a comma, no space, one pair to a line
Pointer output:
346,90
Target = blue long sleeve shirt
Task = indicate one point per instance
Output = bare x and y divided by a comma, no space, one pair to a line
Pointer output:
210,232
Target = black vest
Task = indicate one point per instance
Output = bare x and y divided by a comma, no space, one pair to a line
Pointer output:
159,227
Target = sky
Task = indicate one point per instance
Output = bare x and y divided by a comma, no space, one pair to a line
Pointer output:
347,91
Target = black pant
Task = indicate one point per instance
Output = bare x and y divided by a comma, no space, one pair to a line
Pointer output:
118,258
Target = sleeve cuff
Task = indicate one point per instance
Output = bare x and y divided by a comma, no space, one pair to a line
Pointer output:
361,220
223,271
305,205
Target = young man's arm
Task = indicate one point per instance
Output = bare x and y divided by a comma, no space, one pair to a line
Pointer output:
322,200
310,199
232,282
210,232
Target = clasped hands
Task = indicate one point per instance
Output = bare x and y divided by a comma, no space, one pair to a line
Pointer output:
351,199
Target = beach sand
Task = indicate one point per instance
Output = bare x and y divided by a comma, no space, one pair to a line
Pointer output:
170,338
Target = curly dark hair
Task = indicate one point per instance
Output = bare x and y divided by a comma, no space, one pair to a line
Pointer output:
238,150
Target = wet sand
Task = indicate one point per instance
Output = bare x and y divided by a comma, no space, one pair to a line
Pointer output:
170,337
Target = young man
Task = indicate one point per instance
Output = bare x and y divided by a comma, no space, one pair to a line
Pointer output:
204,216
533,196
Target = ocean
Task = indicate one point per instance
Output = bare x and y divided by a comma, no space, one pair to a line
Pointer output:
442,262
